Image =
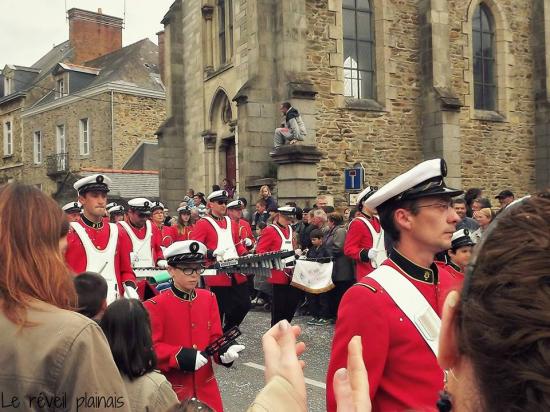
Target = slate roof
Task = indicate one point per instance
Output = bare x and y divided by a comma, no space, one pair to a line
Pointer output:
128,184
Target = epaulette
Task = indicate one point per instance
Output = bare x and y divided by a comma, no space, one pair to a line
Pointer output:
152,301
371,288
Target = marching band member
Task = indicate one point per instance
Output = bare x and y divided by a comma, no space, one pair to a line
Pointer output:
158,218
72,211
145,240
116,213
278,237
396,309
96,246
235,212
365,238
459,254
184,321
221,236
186,223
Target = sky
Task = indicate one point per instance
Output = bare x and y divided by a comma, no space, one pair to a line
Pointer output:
30,28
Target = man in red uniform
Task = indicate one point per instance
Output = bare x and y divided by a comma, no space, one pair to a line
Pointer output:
221,236
96,246
143,235
235,212
184,321
72,211
396,309
365,238
278,237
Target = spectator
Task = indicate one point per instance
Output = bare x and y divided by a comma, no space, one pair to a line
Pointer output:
319,303
471,195
246,212
261,214
199,199
91,289
505,198
46,347
265,194
317,220
229,187
347,214
465,222
128,330
483,217
216,188
481,203
343,273
293,130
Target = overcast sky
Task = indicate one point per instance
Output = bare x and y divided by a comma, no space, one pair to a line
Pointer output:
29,28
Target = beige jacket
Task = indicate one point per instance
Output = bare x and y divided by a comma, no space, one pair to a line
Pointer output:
150,392
61,363
278,396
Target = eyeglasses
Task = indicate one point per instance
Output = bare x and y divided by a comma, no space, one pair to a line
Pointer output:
443,206
140,214
189,270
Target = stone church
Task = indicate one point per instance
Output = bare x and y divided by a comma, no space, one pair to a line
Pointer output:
382,84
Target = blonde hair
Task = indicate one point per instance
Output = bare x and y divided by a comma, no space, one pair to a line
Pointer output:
487,212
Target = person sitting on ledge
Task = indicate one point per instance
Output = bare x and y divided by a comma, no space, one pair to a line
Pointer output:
293,129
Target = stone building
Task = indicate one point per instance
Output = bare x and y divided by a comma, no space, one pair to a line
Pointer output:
381,83
88,103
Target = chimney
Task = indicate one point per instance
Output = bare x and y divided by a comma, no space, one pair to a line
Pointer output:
160,36
93,35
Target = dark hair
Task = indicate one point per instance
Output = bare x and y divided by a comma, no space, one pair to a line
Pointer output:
483,201
244,201
471,195
216,187
127,327
286,105
262,202
316,233
503,317
336,218
386,213
458,200
91,289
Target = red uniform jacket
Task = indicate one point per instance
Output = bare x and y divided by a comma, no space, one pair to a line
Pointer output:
173,234
75,255
453,270
205,233
403,370
140,234
359,238
245,230
270,241
178,321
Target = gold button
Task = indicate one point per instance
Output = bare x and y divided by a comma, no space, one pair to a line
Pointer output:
194,346
427,275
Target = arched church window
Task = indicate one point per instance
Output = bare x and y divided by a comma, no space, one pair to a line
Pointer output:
359,52
483,46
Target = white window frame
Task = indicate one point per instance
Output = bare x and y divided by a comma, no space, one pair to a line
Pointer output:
84,128
37,147
60,133
61,88
8,138
8,86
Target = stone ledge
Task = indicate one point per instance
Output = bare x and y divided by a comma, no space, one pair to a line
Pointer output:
488,116
367,105
296,153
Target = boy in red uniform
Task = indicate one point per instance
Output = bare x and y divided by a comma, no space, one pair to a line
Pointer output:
459,254
94,245
184,321
396,309
365,238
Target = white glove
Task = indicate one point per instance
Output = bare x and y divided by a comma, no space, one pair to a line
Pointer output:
298,252
247,242
372,254
130,292
232,353
302,257
162,263
219,252
200,361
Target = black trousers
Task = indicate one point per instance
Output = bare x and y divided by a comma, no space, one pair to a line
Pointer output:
233,303
320,305
284,302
